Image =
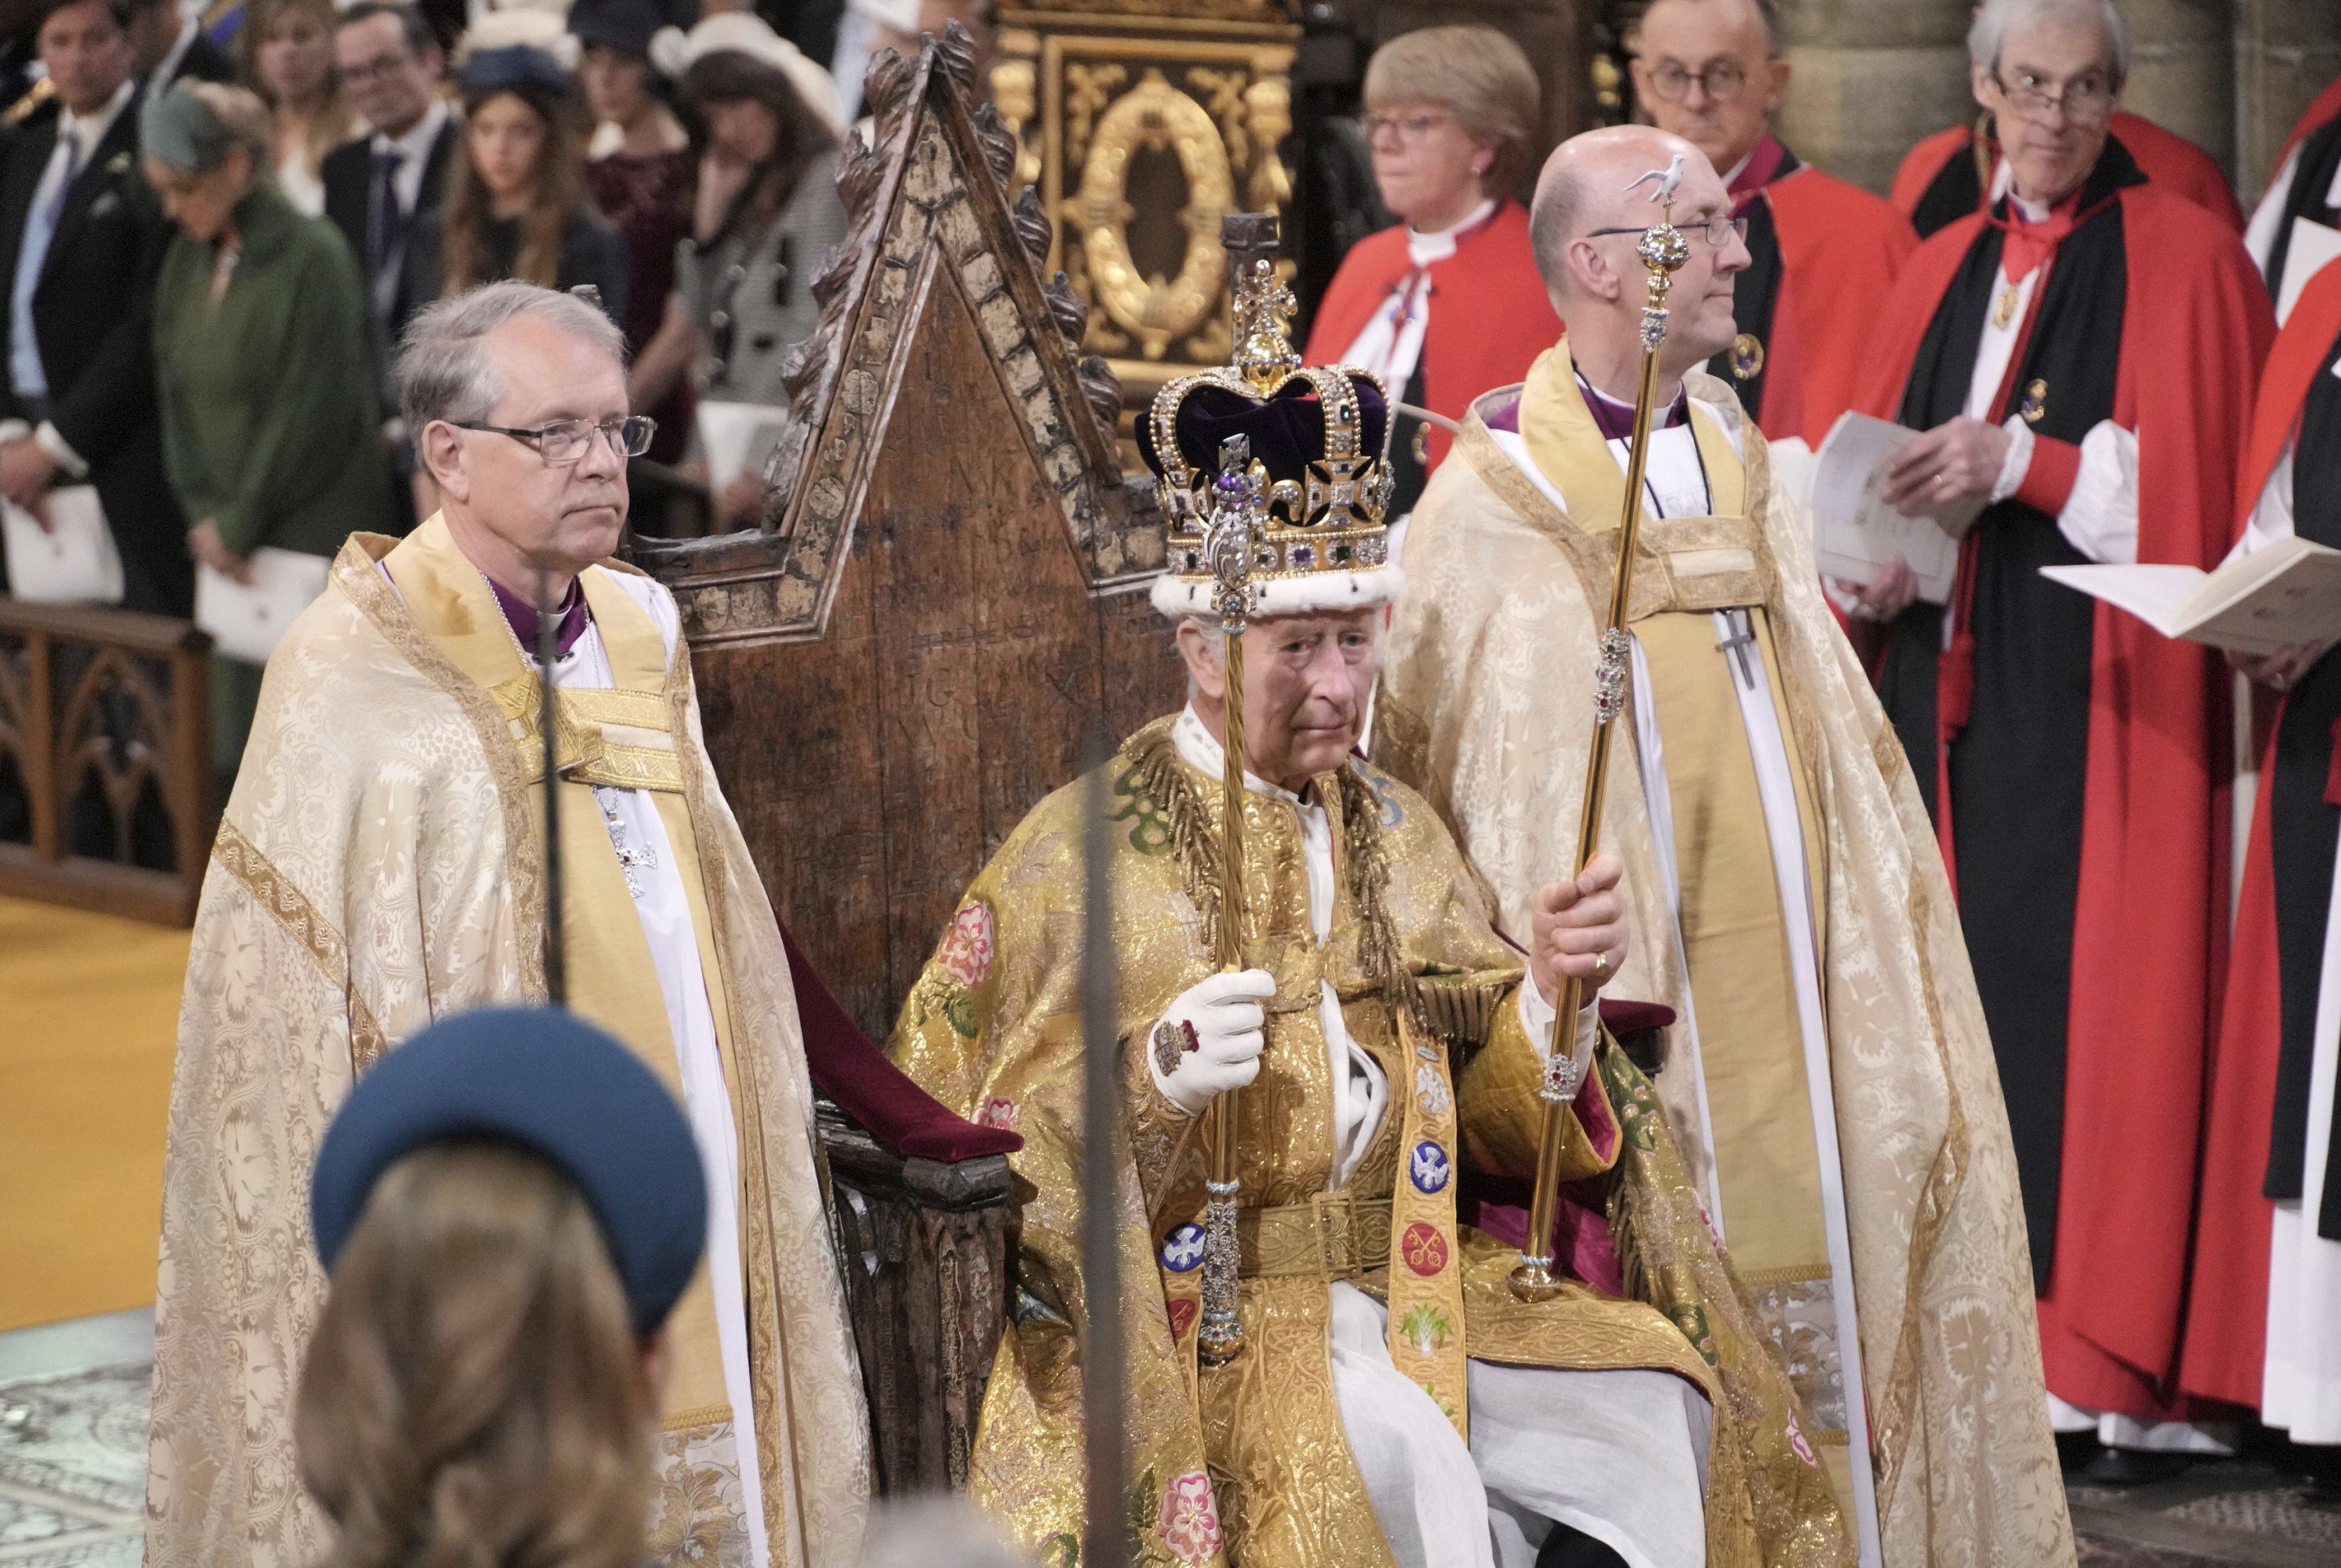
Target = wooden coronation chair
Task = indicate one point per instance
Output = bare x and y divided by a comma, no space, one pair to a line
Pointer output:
942,616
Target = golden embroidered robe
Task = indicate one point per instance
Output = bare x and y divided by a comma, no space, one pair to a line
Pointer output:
1485,706
1249,1464
380,865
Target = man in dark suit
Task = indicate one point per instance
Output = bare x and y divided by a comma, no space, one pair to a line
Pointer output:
172,48
80,239
378,186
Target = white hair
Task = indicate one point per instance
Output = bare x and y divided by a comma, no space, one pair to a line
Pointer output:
443,373
1995,19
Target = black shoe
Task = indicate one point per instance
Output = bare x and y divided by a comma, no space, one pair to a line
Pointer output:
1570,1548
2136,1467
2075,1449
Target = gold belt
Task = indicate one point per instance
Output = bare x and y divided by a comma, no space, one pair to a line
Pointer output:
1331,1237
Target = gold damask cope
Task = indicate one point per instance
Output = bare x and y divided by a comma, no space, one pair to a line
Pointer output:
1140,133
992,1028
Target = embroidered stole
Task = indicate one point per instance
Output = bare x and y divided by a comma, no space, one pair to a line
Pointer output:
631,736
1735,941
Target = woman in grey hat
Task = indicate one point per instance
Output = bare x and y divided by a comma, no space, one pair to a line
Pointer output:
269,421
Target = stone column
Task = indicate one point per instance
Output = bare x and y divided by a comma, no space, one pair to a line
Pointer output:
1873,77
2285,52
2182,73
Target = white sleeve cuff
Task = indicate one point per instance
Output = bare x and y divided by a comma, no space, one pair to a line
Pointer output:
2100,515
59,450
2018,460
1536,1015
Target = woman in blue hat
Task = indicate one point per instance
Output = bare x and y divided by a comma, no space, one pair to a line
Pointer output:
509,1206
516,206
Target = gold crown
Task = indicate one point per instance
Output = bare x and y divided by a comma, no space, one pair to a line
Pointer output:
1318,510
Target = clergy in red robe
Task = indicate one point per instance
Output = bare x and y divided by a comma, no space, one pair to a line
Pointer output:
1959,171
1446,303
1821,253
2271,1250
2307,185
2076,356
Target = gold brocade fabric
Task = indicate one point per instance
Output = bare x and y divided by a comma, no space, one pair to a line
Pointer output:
380,865
1247,1465
1497,630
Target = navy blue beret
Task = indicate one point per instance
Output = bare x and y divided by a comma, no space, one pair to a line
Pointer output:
520,68
557,1086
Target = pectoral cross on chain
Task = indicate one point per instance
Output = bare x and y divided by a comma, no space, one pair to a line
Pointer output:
630,857
1739,647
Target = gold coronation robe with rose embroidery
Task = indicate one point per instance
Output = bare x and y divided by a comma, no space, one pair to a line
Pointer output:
1486,704
1249,1464
380,865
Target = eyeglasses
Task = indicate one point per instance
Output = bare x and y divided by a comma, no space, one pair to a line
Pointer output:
2086,99
1716,231
1408,128
1721,81
566,440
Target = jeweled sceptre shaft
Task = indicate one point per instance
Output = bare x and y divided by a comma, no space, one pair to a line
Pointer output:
1239,514
1662,249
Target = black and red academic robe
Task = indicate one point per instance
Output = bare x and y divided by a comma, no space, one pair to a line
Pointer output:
1822,254
2083,802
1490,317
2308,182
1947,175
2257,1122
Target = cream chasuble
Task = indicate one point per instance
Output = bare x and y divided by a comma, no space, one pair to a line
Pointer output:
1789,904
380,865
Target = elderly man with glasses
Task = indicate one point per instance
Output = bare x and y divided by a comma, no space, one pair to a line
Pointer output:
1821,253
2080,358
382,864
1828,1074
1959,170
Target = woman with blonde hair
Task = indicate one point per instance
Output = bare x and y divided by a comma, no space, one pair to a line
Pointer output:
269,416
509,1206
1446,303
516,204
287,47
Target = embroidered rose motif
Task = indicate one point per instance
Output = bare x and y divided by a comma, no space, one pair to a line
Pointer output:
997,1113
1797,1440
1191,1520
1430,1090
966,953
1424,1249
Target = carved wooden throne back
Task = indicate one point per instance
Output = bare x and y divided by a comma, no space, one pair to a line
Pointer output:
945,610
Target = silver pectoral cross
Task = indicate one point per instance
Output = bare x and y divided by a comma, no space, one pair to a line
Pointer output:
630,857
1740,646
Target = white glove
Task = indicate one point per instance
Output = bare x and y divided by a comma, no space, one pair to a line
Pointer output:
1224,1016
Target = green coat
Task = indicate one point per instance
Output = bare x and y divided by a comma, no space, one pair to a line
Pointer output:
270,427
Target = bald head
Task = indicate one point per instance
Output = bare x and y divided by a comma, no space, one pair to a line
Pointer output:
1583,188
1711,71
1595,279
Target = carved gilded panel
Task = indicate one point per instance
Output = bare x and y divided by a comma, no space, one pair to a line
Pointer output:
1140,134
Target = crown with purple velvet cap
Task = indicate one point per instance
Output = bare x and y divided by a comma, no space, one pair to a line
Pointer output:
1318,466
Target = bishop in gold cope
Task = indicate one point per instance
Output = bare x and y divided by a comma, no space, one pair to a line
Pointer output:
1829,1080
1392,1402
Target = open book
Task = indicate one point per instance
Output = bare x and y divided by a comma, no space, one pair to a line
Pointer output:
2280,597
1856,535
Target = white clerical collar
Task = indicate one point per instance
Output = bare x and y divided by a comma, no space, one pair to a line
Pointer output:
1733,172
2030,212
1422,249
1202,751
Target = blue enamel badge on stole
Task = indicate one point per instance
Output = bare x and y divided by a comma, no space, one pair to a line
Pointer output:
1429,1168
1182,1249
